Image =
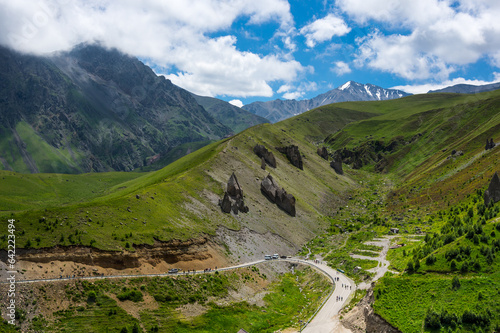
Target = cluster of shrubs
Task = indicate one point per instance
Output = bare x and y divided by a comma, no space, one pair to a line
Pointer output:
460,222
133,295
435,320
135,329
189,290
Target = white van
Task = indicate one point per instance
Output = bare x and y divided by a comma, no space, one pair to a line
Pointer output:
267,257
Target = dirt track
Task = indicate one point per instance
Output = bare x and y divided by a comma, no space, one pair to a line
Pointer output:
383,264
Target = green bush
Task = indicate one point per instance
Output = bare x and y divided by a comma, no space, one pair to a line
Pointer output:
430,260
133,295
91,297
455,283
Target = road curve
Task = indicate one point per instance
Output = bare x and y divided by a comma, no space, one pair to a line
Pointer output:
325,320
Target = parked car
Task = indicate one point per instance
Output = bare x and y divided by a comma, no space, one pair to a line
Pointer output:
173,271
276,256
268,257
283,257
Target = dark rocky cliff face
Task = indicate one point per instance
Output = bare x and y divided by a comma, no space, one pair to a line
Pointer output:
492,194
93,109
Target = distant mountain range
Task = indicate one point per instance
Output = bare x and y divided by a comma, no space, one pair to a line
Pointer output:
94,109
232,116
467,89
350,91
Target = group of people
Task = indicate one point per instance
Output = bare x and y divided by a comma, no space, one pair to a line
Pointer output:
206,270
344,286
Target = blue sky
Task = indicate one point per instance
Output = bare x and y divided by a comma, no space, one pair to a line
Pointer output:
248,50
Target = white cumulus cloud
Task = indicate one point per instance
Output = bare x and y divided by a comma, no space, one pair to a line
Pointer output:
441,37
424,88
324,29
296,92
173,34
340,68
236,102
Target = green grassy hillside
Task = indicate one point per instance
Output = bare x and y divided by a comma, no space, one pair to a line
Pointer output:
451,280
422,163
181,200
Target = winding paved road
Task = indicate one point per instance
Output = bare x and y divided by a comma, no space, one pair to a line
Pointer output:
325,320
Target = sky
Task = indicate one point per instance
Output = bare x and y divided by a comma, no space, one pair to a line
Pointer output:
257,50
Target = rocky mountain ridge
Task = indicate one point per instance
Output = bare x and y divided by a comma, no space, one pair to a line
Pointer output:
93,109
278,110
467,88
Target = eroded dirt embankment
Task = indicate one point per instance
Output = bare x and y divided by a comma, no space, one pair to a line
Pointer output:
170,252
225,248
52,262
362,318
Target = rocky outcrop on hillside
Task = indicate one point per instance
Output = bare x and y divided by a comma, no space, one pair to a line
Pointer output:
262,163
489,144
268,156
323,153
376,152
233,197
492,194
293,154
336,164
270,188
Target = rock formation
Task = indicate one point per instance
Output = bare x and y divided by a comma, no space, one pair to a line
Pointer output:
323,153
363,319
455,153
270,188
262,163
492,194
233,197
489,144
293,154
336,164
262,152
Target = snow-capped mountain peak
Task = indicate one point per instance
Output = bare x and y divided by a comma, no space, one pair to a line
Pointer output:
349,91
345,85
368,91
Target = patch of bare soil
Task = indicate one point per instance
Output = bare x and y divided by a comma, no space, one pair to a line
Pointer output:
247,245
192,310
133,308
362,318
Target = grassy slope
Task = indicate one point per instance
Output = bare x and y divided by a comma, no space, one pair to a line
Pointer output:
180,200
46,157
425,173
405,300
